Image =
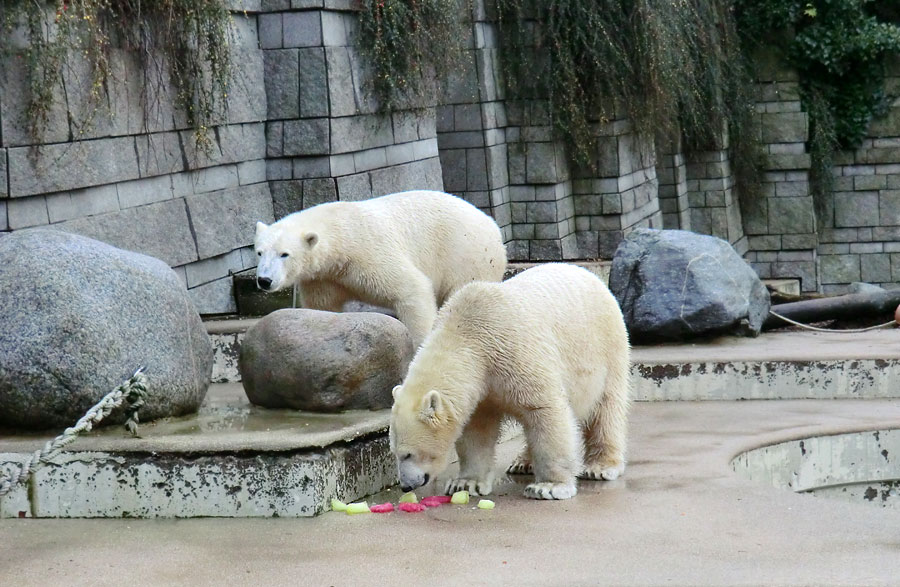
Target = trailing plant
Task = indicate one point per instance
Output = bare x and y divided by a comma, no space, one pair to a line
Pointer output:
673,67
412,46
191,36
838,49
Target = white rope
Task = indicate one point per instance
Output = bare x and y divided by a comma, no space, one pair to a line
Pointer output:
848,331
132,391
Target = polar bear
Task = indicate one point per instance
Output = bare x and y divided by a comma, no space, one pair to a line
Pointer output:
407,251
548,348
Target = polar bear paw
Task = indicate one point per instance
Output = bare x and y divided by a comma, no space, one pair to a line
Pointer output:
548,490
603,472
520,467
473,486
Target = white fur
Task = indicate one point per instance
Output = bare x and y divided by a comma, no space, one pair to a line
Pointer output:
408,251
549,348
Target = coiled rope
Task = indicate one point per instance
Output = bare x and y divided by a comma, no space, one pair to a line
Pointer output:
133,392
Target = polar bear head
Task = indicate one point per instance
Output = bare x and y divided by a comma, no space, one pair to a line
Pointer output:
422,433
285,251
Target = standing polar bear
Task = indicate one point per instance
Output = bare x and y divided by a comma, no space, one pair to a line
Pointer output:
408,252
549,348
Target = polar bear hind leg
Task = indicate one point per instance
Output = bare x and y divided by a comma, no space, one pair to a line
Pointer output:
605,433
522,465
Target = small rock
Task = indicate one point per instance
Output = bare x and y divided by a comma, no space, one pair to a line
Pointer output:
79,317
324,361
674,284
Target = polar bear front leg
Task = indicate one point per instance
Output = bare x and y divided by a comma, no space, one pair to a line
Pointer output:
476,448
416,307
552,436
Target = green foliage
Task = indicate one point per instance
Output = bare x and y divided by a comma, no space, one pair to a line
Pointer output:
412,45
192,36
672,67
838,47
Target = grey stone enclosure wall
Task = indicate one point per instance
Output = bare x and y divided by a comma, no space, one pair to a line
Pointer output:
301,129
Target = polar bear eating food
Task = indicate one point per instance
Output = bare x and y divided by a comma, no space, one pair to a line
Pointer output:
407,251
548,348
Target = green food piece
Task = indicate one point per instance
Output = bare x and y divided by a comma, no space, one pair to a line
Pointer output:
358,508
338,506
460,498
409,498
485,504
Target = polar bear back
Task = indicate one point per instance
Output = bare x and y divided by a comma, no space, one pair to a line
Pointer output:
556,320
451,241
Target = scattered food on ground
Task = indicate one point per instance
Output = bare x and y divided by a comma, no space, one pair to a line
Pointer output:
460,498
358,508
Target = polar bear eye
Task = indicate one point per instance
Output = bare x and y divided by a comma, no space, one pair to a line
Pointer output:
406,456
284,255
259,253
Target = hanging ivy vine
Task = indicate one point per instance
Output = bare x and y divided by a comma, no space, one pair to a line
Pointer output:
413,46
192,36
838,48
673,67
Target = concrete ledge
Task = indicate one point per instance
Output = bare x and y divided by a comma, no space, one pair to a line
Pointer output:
230,460
776,365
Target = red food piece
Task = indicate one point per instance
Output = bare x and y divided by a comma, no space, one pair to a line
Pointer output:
382,508
436,500
412,507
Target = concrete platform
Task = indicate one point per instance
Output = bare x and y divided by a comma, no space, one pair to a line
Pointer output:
232,459
679,516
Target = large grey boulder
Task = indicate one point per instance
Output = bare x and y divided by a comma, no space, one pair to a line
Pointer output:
324,361
78,317
674,284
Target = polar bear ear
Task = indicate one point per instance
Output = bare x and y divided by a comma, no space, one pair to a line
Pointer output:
396,391
260,226
431,404
311,239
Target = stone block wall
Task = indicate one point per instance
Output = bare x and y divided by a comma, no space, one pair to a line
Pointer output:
671,174
780,220
302,129
860,232
135,178
325,139
503,156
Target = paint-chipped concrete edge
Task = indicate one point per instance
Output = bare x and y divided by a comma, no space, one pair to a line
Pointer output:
170,485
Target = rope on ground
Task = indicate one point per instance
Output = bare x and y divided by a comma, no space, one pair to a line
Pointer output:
847,331
132,391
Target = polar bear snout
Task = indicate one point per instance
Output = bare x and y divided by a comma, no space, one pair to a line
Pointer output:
263,283
411,476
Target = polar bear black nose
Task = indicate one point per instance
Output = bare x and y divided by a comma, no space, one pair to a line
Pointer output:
263,282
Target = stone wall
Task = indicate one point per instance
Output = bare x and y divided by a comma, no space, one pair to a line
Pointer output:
859,239
135,178
302,130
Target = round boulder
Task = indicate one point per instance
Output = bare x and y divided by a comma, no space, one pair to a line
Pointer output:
79,317
324,361
674,284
